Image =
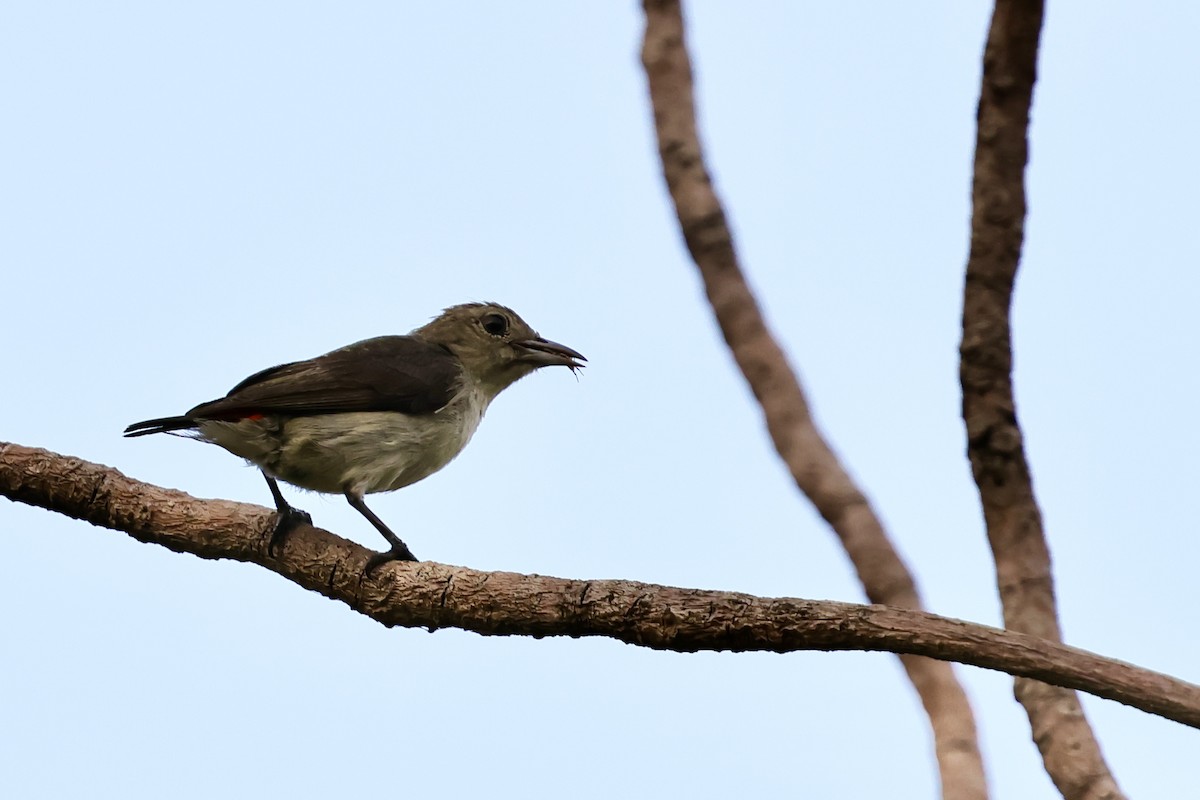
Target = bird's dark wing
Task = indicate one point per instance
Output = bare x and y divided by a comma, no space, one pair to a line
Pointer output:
390,373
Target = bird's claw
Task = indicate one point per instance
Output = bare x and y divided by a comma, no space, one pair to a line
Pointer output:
379,559
287,519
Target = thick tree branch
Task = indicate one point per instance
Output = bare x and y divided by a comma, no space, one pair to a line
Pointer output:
815,468
994,442
434,596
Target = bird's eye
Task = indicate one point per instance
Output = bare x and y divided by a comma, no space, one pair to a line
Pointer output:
495,324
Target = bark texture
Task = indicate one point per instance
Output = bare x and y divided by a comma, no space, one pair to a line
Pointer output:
815,468
432,596
995,445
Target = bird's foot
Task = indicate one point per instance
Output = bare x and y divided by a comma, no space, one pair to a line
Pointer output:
287,519
401,553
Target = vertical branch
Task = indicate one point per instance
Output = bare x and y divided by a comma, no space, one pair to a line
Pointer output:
812,463
1069,749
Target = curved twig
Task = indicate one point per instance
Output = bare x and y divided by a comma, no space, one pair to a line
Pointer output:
432,596
812,462
1070,752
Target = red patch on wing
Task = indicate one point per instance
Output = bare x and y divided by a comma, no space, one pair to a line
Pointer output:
255,417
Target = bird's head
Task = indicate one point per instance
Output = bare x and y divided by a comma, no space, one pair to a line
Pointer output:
495,345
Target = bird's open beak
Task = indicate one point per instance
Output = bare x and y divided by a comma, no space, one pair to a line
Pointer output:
544,353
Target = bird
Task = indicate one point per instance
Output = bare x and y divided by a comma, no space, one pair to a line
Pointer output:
373,416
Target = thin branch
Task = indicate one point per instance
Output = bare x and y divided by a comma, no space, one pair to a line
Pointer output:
429,595
1069,748
813,465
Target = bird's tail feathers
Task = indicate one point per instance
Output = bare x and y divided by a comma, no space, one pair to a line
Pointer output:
161,425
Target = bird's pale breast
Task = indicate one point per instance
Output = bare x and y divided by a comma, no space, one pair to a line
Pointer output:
364,451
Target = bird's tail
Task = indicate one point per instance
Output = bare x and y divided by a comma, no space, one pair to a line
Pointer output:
161,425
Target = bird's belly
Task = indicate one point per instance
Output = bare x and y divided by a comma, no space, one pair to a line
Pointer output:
377,451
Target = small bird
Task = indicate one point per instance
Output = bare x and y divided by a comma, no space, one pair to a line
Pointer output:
374,416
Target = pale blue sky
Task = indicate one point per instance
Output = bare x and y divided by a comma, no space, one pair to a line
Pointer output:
190,192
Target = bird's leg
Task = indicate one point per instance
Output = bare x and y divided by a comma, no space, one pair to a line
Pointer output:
287,517
399,551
